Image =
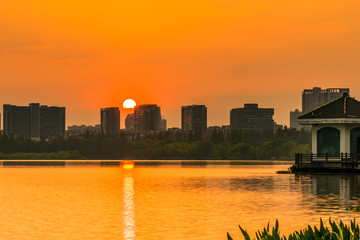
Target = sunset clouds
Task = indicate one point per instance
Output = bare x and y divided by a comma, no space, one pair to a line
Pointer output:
91,54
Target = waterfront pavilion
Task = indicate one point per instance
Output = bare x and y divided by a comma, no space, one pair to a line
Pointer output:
335,127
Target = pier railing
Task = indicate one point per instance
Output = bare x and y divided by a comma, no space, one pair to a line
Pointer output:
343,160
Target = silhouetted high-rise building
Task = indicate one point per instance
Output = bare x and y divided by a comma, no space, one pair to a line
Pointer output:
52,121
194,120
316,97
129,122
110,120
16,120
34,121
294,123
252,118
147,119
163,125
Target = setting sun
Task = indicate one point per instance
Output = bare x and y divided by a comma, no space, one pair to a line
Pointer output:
129,103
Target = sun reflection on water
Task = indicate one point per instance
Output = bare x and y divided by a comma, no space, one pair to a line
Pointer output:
128,164
129,214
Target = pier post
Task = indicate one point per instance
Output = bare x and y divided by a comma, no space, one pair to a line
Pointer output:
346,160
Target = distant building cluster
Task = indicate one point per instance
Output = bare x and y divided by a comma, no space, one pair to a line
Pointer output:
48,122
314,98
78,131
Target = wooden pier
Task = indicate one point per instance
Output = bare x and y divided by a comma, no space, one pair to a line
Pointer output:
344,161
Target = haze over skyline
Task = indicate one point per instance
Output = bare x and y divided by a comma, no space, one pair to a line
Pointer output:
90,55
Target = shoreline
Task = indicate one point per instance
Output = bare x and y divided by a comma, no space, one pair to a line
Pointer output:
25,162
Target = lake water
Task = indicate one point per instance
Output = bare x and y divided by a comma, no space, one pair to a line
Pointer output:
166,202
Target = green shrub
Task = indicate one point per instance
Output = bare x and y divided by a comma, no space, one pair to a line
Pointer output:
353,208
337,231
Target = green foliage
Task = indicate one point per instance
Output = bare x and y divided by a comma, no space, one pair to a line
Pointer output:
217,137
284,171
60,155
243,151
238,144
302,148
336,231
353,208
286,148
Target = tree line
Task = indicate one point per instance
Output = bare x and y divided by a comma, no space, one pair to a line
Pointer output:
282,144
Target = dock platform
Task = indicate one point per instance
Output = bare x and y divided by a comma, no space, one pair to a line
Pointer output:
344,161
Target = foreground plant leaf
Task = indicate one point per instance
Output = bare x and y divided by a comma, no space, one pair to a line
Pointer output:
336,231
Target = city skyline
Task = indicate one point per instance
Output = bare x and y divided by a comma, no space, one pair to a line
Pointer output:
221,54
174,117
124,112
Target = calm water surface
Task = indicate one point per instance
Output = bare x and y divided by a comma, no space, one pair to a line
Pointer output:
165,202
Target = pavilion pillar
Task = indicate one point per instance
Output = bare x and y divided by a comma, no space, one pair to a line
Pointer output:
314,130
347,137
344,138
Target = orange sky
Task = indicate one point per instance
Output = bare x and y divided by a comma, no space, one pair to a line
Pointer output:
222,53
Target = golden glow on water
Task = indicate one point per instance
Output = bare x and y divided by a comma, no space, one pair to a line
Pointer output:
129,214
165,202
128,164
